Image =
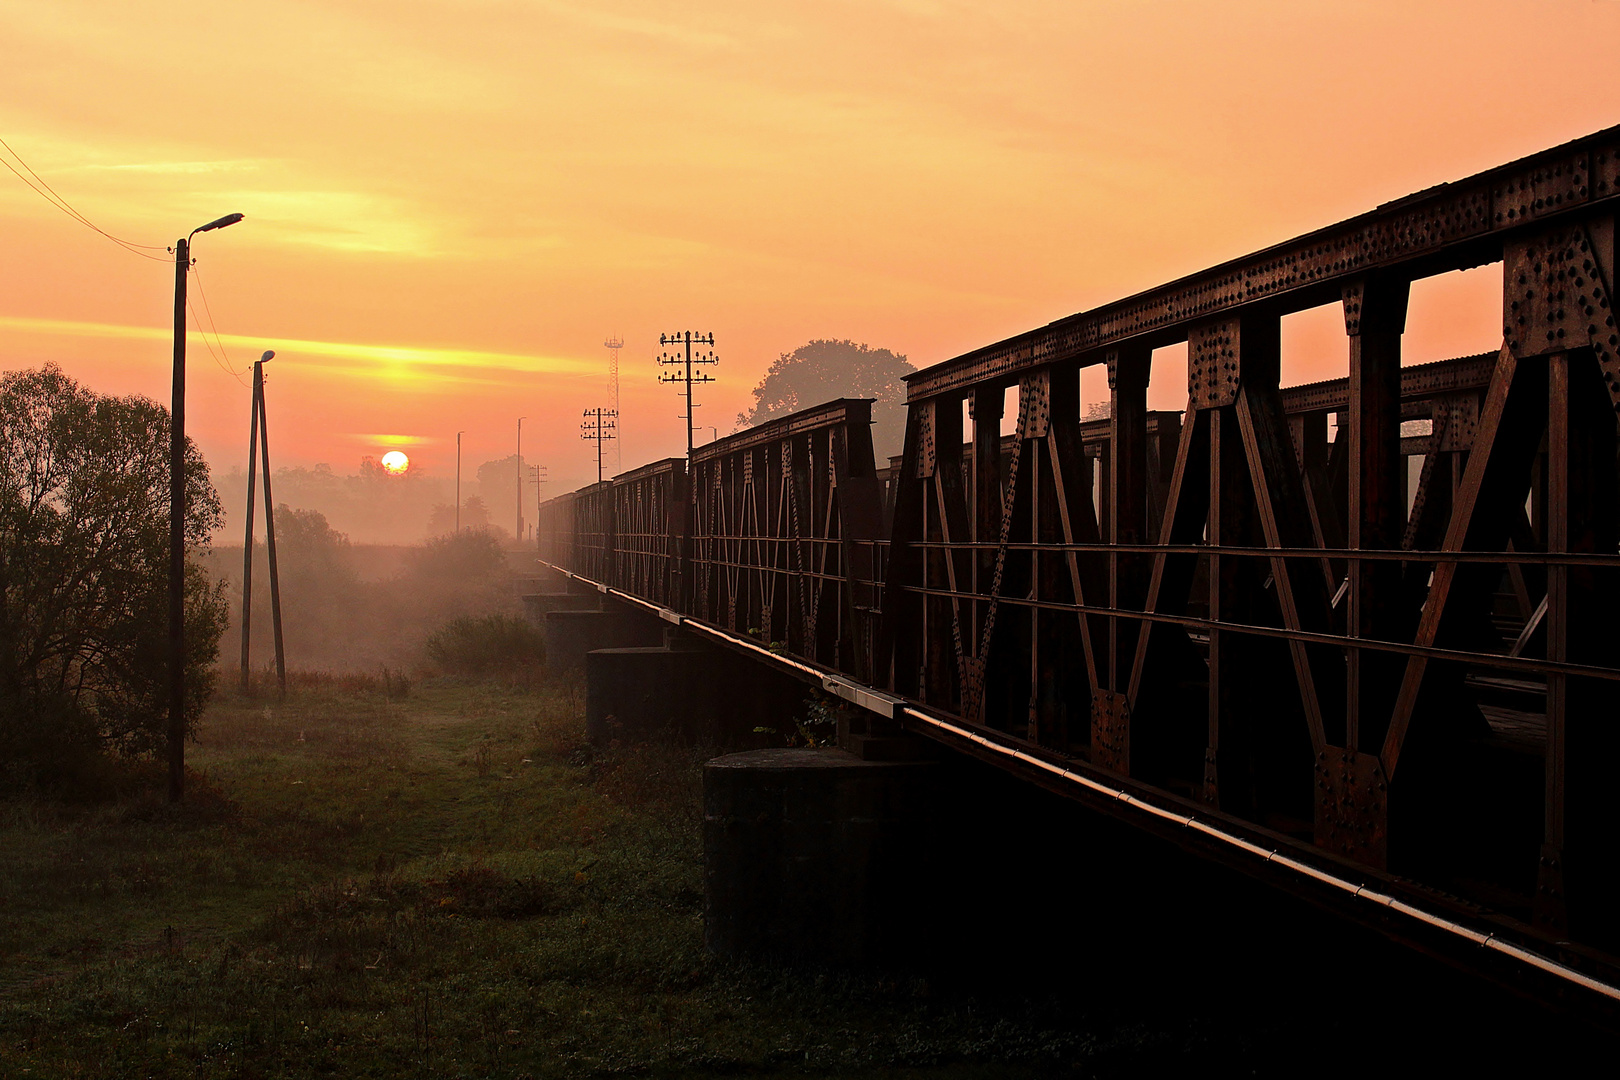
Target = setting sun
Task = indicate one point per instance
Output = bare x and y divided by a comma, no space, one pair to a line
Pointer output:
396,462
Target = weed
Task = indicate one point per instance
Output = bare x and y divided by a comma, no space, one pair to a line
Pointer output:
491,644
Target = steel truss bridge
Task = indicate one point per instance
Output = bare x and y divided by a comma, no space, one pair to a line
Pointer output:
1379,667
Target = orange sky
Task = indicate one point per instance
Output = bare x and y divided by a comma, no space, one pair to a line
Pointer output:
451,202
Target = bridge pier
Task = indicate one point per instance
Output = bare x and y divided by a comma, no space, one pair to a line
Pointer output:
650,693
687,691
570,635
536,606
815,856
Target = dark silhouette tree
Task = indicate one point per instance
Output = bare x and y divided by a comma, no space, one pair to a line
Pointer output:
84,542
822,370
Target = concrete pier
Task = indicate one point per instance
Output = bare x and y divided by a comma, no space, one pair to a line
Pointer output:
570,635
537,605
816,856
650,694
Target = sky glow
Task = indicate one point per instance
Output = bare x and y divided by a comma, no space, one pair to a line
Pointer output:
451,204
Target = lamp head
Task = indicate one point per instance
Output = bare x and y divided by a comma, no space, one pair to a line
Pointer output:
269,354
217,223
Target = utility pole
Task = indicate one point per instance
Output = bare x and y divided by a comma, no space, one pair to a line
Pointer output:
459,434
676,359
177,516
269,528
598,425
177,533
613,344
247,539
260,436
518,471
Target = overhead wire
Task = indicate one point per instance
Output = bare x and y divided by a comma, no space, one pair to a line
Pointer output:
226,364
44,190
48,193
221,363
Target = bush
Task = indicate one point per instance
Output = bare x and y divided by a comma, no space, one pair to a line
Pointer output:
486,645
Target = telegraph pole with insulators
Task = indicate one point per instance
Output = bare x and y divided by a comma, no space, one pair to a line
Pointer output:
678,354
598,425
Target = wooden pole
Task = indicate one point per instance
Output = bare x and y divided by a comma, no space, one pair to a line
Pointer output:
177,533
270,534
247,541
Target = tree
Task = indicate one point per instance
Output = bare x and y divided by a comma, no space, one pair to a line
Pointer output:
474,515
465,573
822,370
84,549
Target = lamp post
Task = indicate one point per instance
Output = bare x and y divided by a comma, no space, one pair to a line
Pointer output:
177,516
459,434
519,471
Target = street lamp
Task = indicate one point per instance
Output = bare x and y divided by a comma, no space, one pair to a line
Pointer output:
177,516
519,471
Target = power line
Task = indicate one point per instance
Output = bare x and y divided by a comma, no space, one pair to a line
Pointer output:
48,193
210,312
197,322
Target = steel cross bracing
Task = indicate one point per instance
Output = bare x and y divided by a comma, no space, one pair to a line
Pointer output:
785,518
649,512
1389,651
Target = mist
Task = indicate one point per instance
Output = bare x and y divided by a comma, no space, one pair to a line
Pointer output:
373,507
360,607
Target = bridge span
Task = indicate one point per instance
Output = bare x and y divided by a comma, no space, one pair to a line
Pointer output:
1358,638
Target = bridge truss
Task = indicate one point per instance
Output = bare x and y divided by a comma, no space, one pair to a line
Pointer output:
1359,637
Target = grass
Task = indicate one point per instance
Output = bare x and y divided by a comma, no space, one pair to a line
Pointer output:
445,882
441,884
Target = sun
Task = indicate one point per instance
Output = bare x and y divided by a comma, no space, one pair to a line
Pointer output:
396,462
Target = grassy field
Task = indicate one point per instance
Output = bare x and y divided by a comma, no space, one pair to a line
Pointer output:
446,883
443,883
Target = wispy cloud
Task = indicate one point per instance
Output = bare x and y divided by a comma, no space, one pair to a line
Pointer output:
642,27
350,221
368,439
190,168
404,366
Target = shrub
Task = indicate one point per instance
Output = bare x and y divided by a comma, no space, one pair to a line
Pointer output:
486,645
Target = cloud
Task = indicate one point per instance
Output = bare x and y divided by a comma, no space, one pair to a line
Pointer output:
643,27
349,221
403,366
175,167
